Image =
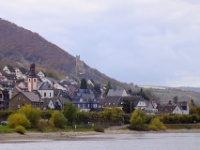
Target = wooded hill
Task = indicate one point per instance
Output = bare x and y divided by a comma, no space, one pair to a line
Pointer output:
20,47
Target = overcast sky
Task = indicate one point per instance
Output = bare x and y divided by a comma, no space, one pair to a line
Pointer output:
154,42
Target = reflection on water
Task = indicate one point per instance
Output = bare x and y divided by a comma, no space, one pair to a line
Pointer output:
157,141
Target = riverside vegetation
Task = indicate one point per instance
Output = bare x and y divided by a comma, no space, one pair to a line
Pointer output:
70,119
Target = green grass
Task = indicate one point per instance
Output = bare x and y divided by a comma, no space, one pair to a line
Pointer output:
6,129
79,128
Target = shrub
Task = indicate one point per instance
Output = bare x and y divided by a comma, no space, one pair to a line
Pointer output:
32,114
41,125
156,123
137,120
17,119
5,113
20,129
149,118
57,120
195,118
184,118
82,117
152,127
98,128
46,114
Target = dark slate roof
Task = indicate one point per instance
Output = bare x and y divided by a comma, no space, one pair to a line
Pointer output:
134,99
85,94
32,96
167,109
10,77
10,68
182,103
113,101
22,70
44,86
65,100
101,101
117,101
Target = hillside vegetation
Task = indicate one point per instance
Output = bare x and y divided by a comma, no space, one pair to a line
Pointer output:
19,46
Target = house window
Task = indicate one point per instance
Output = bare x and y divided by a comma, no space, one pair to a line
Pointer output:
44,94
19,98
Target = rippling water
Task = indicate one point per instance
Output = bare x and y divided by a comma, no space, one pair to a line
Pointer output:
157,141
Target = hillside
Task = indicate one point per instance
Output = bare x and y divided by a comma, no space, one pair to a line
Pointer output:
19,46
165,95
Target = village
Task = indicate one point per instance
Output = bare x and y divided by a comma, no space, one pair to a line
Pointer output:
19,87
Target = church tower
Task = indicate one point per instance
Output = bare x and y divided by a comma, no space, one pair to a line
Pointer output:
32,78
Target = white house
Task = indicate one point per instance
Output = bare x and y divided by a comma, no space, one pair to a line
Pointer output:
60,87
140,104
41,74
169,109
9,70
49,80
45,90
20,72
184,107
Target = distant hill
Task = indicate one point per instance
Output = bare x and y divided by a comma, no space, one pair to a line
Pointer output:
167,93
19,47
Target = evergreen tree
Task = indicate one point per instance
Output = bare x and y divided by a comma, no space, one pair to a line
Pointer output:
70,112
175,98
108,87
97,90
83,84
128,106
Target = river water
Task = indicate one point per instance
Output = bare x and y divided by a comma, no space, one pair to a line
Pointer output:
149,141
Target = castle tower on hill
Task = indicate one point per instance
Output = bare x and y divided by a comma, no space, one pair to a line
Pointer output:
32,79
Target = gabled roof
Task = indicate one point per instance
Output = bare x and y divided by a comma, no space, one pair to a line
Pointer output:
10,68
44,86
134,99
113,101
10,77
182,103
167,109
115,92
22,70
85,94
30,95
47,101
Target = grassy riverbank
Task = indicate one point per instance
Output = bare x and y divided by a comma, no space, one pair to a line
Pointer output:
79,128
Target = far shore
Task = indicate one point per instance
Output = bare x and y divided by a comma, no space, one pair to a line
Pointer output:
31,136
